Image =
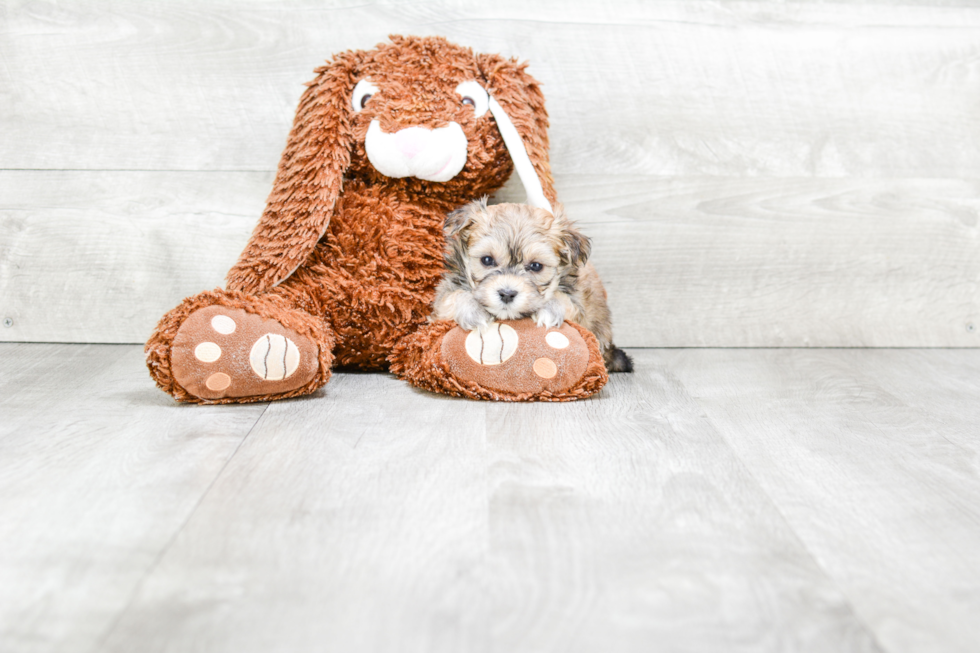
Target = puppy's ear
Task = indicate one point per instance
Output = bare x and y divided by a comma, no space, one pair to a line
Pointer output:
462,219
458,224
576,247
308,182
520,96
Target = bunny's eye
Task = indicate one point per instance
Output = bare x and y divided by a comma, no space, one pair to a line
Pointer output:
473,95
362,93
488,261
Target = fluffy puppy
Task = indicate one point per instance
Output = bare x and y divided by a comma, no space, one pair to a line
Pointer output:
511,261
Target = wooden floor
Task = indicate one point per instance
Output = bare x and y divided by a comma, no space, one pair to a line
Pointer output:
716,500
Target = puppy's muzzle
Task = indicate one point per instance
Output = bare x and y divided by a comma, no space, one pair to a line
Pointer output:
430,154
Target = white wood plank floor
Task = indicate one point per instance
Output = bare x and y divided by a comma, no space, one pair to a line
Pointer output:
716,500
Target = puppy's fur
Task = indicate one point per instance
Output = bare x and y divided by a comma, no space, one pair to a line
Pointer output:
511,261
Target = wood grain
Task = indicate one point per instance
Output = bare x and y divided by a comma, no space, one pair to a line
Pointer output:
665,88
881,492
788,262
763,500
753,174
351,521
939,384
98,472
340,525
687,261
105,254
626,523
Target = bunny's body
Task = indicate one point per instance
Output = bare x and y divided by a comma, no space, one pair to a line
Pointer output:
343,264
378,265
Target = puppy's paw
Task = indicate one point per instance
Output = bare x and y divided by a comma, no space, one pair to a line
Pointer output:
550,316
470,316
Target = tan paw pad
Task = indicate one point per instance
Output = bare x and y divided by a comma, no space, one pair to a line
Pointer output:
218,381
223,324
274,357
545,368
492,346
207,352
557,340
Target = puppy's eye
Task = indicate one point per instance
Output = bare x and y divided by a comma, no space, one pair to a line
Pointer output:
488,261
363,92
468,101
535,267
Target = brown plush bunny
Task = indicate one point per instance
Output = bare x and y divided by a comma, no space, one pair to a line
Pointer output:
343,265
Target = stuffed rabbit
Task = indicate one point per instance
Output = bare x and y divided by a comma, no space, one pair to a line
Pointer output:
342,267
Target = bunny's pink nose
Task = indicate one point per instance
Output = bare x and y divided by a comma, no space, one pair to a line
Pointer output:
411,141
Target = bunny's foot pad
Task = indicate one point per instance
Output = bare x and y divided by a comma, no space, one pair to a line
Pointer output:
514,360
220,352
224,354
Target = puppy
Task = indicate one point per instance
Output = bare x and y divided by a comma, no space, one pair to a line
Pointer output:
511,261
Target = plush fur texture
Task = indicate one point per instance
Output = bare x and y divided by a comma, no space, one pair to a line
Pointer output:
348,255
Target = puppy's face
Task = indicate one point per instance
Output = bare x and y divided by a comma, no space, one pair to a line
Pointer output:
512,257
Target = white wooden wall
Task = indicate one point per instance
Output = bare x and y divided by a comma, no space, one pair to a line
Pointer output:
752,173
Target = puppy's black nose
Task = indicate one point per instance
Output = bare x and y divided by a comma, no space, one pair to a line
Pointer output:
507,295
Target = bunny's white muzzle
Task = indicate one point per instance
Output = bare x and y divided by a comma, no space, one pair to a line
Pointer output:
430,154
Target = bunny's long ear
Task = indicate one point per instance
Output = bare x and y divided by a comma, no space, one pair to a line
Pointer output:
520,97
307,183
